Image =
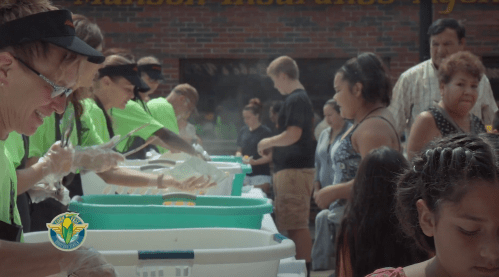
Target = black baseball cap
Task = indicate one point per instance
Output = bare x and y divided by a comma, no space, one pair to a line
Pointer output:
54,27
153,70
127,71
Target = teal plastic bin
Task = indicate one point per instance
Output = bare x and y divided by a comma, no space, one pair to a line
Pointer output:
227,158
237,184
112,212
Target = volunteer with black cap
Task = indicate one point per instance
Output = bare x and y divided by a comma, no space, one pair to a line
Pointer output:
41,203
113,88
39,62
137,114
152,73
159,108
47,202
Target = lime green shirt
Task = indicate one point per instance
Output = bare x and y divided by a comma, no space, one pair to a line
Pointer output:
92,114
44,137
163,112
14,144
8,179
132,117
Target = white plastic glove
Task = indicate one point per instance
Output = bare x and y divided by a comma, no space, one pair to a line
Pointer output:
189,184
41,192
86,262
57,162
97,158
201,153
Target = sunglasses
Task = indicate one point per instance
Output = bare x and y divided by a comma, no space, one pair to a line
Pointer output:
56,90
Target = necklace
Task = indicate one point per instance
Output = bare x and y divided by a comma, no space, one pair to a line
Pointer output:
368,115
357,124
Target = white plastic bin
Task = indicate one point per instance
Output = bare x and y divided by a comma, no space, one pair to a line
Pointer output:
93,184
207,252
231,168
222,173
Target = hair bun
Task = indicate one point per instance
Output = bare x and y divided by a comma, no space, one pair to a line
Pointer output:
255,102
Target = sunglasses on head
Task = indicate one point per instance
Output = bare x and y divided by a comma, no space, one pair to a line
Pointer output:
56,90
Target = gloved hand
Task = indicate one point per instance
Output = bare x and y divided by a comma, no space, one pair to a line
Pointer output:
200,152
86,262
97,158
41,192
192,183
56,163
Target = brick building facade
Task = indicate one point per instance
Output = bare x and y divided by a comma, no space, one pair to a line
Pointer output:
240,37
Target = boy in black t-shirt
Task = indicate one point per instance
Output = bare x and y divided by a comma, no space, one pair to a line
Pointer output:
293,156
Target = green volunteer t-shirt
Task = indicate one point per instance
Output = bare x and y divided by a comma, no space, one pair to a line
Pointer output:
163,112
132,117
92,114
14,144
44,137
8,182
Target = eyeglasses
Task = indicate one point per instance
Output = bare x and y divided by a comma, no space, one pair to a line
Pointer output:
57,90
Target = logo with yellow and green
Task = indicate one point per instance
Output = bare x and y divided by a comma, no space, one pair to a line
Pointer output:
67,231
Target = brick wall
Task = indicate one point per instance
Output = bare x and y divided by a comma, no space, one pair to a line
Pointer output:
214,30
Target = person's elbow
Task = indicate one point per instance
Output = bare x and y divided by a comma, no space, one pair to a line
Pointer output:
294,134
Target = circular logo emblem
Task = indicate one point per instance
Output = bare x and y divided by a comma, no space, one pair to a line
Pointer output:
67,231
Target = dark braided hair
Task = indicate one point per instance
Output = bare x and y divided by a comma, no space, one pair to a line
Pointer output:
369,226
369,70
443,173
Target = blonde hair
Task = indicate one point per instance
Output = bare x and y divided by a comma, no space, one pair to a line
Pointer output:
14,9
126,53
286,65
188,91
148,60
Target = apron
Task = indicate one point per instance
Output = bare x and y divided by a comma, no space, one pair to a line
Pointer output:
11,231
23,200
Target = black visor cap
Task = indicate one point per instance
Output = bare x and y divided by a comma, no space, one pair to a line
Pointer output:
154,71
54,27
127,71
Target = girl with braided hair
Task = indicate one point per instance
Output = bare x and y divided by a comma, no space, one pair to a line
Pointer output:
448,203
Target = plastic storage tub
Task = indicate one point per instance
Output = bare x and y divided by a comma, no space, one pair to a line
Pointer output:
237,185
93,184
211,252
148,212
238,170
227,158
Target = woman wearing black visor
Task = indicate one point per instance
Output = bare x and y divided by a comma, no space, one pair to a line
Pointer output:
136,114
40,59
112,90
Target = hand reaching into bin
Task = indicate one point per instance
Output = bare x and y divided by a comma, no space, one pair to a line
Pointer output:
97,158
192,183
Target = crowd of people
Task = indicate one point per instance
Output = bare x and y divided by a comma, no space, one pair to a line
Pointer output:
382,202
427,209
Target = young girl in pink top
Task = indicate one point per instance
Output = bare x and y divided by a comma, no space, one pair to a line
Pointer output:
449,204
